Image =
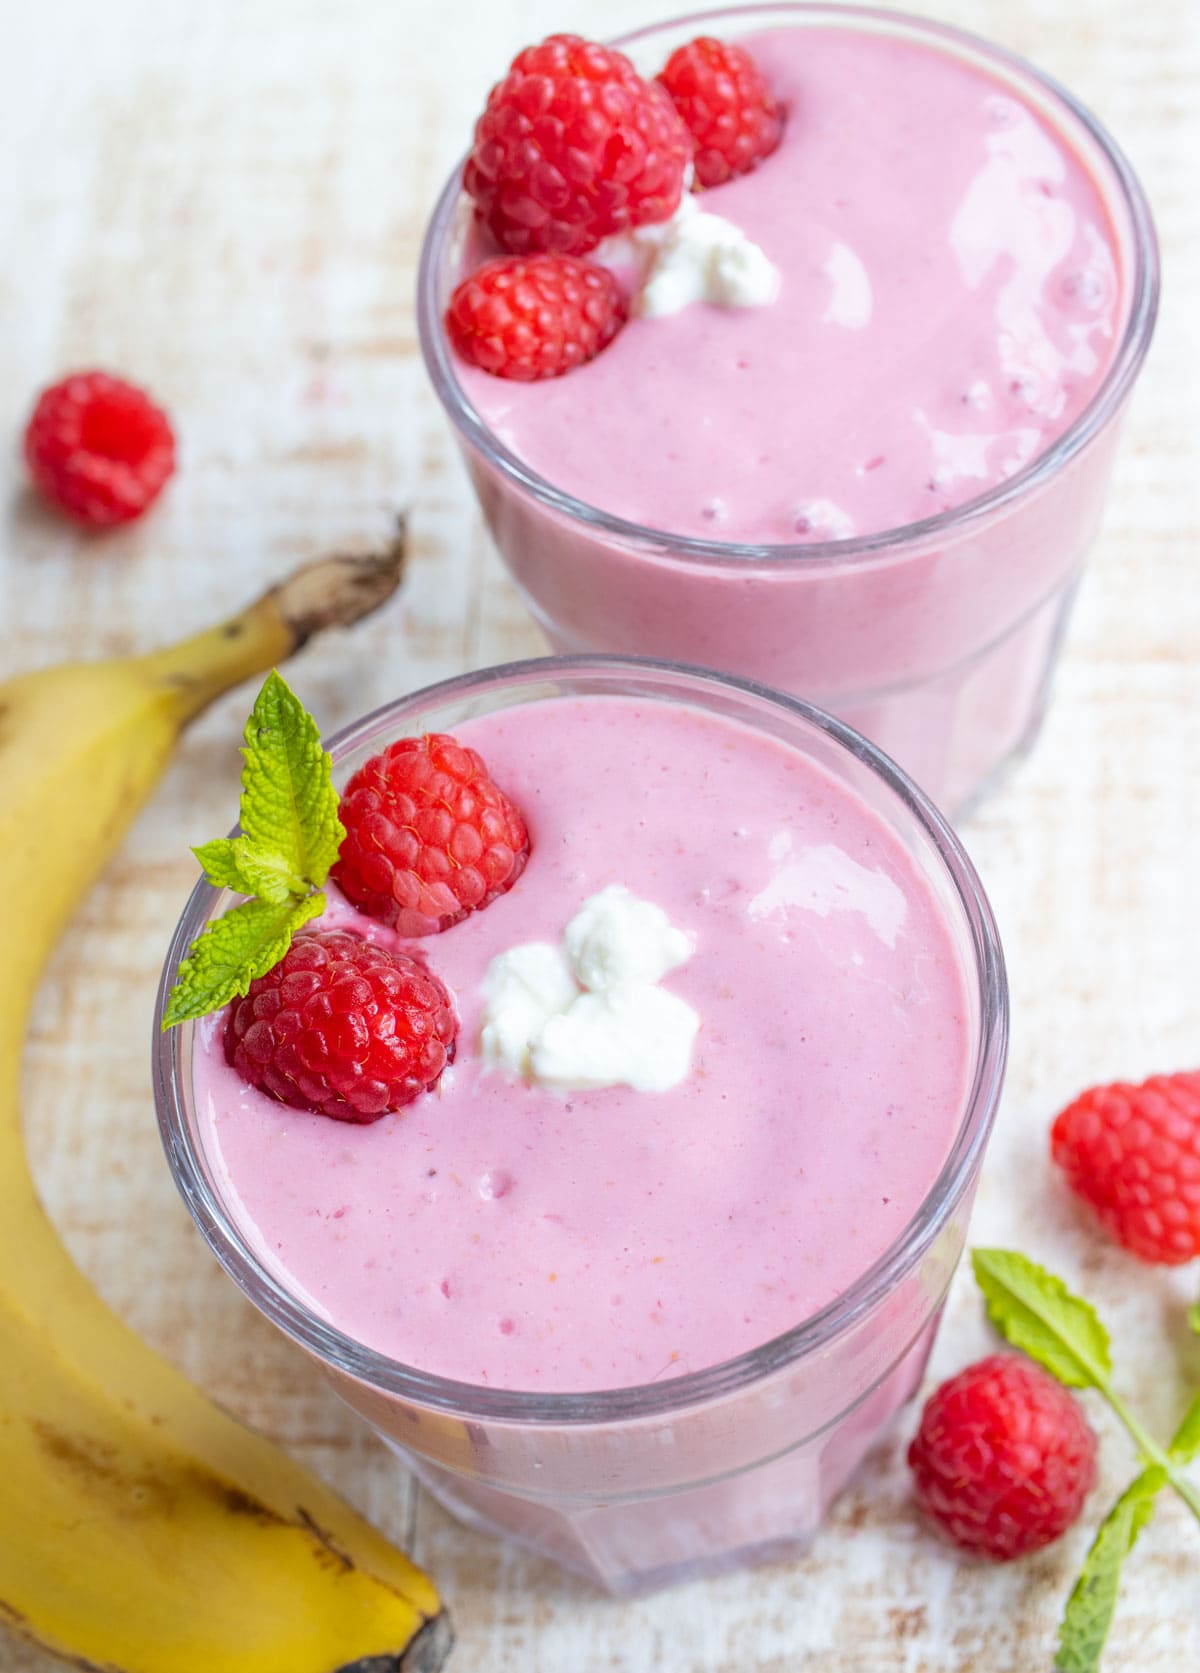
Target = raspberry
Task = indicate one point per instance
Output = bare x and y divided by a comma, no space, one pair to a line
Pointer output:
1003,1459
573,145
1133,1154
719,92
342,1027
429,838
99,448
528,317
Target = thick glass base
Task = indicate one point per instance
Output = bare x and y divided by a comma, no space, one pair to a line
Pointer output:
767,1513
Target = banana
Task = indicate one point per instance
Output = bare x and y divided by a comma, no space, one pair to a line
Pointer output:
141,1528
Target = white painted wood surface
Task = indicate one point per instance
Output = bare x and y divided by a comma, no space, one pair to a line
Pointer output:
224,198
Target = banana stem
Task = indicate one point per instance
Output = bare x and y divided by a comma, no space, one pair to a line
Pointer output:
333,592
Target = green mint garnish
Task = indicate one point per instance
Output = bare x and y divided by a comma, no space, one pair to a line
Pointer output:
1092,1604
290,835
1186,1443
1194,1318
1036,1312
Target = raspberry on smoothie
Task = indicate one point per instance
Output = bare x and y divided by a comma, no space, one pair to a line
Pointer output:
573,146
342,1027
429,836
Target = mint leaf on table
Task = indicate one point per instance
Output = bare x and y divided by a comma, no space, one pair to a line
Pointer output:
289,805
1036,1312
1186,1443
289,839
1092,1603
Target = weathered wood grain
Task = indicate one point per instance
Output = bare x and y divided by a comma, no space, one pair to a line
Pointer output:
225,199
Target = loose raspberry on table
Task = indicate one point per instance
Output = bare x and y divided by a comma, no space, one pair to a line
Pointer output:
1003,1458
528,317
574,145
720,93
99,448
429,837
1133,1154
342,1027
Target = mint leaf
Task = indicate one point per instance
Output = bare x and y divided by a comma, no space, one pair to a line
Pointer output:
219,862
289,839
267,875
232,951
289,805
1037,1313
1186,1443
237,864
1091,1605
1194,1318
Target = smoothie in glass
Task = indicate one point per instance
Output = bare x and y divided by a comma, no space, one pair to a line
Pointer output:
640,1293
877,487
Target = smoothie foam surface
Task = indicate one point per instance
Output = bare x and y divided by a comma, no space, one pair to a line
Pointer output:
948,305
516,1236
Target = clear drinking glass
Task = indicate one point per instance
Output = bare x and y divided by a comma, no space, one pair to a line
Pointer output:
633,1487
938,640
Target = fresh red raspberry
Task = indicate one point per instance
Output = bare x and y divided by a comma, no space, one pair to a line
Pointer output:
99,448
720,93
528,317
1003,1459
429,837
573,145
342,1027
1133,1153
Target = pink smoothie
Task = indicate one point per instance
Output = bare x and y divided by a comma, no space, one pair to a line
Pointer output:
950,302
514,1237
968,288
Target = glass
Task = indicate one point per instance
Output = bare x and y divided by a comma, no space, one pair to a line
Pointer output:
938,640
636,1486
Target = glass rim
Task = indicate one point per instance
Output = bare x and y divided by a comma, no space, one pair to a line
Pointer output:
1106,400
346,1355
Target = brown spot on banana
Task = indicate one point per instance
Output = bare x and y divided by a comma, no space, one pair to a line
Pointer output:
98,1467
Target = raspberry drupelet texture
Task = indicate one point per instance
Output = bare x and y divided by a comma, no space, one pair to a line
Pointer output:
720,93
1003,1458
342,1027
99,448
528,317
574,145
1133,1154
429,837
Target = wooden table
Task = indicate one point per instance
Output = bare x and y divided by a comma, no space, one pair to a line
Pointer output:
226,200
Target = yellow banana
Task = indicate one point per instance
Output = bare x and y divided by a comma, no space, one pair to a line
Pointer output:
141,1528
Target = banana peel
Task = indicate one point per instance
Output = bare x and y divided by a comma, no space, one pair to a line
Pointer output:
142,1529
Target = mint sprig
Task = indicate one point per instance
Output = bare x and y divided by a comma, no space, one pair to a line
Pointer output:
290,836
1186,1443
1036,1312
1092,1604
